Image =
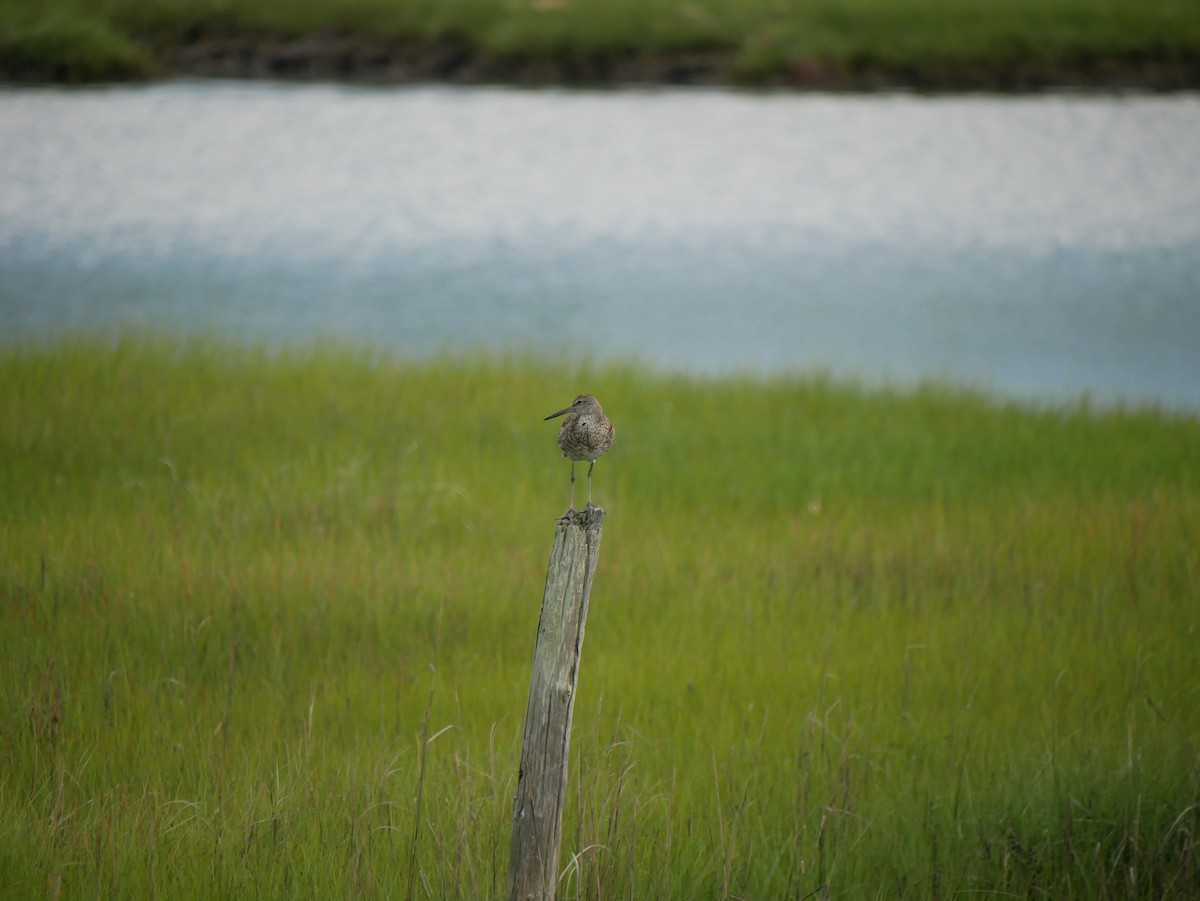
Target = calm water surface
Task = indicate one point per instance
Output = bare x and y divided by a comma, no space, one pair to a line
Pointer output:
1043,247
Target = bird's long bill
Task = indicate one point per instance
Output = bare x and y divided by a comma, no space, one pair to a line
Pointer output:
559,413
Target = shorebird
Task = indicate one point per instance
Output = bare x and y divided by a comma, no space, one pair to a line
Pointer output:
586,433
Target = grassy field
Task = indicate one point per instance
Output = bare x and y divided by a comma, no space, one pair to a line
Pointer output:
268,619
920,42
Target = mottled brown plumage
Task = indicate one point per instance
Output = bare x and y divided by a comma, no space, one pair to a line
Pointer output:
586,433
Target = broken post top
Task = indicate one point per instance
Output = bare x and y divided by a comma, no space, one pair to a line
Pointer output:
583,519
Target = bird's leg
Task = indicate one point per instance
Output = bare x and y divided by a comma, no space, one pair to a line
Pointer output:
571,507
593,463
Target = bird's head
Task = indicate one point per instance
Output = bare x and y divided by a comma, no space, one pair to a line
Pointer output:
584,403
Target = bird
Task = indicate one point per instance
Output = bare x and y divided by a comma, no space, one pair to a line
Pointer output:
586,433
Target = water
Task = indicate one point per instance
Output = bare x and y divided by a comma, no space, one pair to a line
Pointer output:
1041,247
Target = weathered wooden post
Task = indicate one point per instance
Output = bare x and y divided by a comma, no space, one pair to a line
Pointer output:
542,781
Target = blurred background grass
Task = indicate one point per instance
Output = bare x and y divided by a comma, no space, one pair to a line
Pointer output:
859,642
932,42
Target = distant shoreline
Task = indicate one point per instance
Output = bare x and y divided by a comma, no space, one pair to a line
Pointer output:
351,57
338,57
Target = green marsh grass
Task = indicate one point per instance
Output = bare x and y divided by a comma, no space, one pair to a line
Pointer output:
927,41
268,618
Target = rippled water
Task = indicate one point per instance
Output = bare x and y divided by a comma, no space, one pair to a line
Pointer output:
1042,247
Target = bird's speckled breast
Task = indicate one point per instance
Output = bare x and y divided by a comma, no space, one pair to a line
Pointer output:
582,438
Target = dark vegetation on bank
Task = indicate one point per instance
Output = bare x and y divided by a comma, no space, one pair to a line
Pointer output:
848,44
